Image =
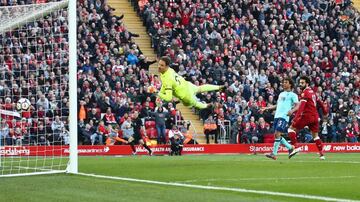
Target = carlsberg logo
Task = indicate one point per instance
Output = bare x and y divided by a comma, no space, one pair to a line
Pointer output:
15,152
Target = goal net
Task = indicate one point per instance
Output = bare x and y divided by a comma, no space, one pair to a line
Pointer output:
34,88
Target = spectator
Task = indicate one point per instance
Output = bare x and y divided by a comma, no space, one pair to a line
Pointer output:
144,63
4,133
236,131
263,128
350,136
65,136
57,127
18,137
128,133
43,102
248,135
334,134
101,133
40,134
325,130
342,129
176,141
160,120
132,59
306,135
109,118
210,128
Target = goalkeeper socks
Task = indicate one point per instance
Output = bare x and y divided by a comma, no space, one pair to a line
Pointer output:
285,143
208,87
318,143
292,136
276,146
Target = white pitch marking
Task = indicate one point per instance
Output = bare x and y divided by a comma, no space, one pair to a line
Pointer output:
294,161
262,179
304,196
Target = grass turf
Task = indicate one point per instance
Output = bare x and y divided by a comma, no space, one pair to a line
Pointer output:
336,177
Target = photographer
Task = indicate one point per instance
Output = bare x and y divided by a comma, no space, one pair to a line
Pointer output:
176,141
128,133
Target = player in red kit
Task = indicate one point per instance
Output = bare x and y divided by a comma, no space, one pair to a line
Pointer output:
307,114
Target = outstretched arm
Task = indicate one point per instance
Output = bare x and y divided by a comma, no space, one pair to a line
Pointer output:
272,107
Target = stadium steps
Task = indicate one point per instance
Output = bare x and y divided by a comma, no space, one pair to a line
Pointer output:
357,4
197,124
134,24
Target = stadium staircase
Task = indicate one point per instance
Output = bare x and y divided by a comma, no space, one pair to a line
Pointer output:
134,24
357,4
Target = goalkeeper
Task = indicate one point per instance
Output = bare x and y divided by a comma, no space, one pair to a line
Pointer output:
175,85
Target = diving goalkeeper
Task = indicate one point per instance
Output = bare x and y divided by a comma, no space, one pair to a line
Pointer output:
175,85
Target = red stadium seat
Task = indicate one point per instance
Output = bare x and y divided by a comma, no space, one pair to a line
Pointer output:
167,135
149,124
151,133
269,138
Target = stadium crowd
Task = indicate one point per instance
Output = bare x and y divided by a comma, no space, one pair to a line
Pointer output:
248,46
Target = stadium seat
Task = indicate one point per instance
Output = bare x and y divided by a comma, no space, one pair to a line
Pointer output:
150,124
167,135
269,138
151,133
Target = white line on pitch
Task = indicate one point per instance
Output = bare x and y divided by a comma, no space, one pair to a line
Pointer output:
262,179
293,161
304,196
349,162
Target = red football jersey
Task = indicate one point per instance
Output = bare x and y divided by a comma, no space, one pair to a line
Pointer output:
311,99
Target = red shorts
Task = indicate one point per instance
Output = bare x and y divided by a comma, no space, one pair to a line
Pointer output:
311,121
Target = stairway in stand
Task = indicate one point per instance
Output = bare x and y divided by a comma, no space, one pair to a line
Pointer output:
134,24
357,4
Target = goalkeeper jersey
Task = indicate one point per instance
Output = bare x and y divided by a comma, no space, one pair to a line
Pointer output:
173,85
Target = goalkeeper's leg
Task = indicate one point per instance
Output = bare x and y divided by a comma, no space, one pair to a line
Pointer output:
192,101
208,87
190,98
201,105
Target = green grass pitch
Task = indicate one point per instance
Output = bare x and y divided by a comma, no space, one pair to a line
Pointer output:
337,177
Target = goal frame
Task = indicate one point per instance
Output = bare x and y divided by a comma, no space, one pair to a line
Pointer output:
72,165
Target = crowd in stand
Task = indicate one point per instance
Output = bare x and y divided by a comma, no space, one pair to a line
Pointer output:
113,80
248,46
112,74
34,65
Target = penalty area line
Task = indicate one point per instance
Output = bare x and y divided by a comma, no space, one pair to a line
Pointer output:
304,196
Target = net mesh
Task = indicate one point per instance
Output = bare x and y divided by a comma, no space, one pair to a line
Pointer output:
34,99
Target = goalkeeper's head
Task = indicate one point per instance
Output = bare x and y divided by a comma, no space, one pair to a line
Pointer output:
164,63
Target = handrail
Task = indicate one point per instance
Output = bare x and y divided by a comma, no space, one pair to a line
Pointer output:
223,139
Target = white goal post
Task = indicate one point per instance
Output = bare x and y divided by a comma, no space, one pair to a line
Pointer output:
23,149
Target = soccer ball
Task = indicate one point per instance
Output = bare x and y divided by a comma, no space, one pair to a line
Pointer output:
23,104
151,89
